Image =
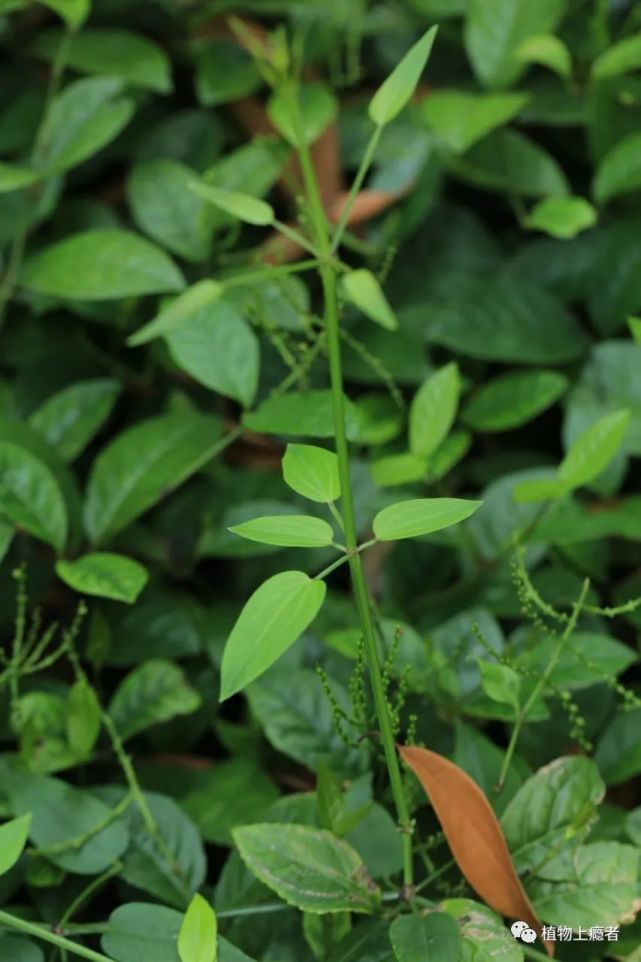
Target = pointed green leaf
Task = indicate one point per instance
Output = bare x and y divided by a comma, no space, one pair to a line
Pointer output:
398,89
100,265
411,519
73,12
312,472
362,289
461,118
13,838
288,531
548,50
301,414
562,217
104,575
433,410
634,323
425,938
620,170
619,58
155,692
15,178
308,868
30,495
178,312
70,418
401,468
276,615
540,489
318,108
245,208
197,940
594,449
513,399
501,683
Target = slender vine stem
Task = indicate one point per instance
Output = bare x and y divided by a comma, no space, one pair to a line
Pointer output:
332,327
365,165
577,608
46,935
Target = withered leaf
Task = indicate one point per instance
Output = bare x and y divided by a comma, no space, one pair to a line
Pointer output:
473,835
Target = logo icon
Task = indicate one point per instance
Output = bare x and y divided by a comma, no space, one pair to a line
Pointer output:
522,931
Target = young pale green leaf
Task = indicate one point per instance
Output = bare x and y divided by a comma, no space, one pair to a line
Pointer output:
73,12
395,469
218,348
114,53
363,290
30,495
197,940
634,323
425,938
225,71
70,418
433,410
619,58
501,683
15,178
461,118
13,838
288,531
178,312
143,464
312,472
547,50
276,615
308,868
155,692
411,519
301,414
245,208
82,718
540,489
594,449
398,89
562,217
513,399
620,170
104,575
318,108
98,265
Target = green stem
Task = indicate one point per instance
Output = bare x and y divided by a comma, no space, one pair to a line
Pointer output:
46,935
295,237
366,163
268,271
542,682
332,328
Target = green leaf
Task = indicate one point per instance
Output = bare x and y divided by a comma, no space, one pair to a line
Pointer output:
548,50
70,418
288,531
396,469
634,323
508,161
501,683
13,838
586,659
76,830
562,217
73,12
178,312
312,472
308,868
554,808
498,319
251,210
165,207
599,881
116,53
362,289
620,170
618,752
30,495
619,58
15,178
433,411
304,414
593,450
276,614
82,719
317,106
398,89
411,519
461,119
224,72
484,937
496,29
104,575
98,265
19,949
84,118
155,692
197,940
425,938
219,349
513,399
143,464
